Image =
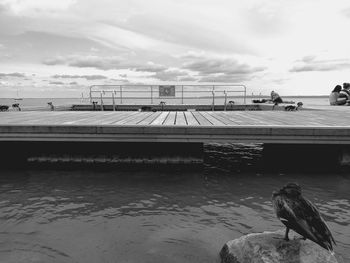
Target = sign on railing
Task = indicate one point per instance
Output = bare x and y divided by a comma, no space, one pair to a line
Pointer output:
166,91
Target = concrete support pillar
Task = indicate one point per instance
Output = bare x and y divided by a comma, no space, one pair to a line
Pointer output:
344,156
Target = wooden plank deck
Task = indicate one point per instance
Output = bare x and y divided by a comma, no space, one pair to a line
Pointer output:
317,126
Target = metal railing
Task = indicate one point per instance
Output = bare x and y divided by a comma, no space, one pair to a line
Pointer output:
173,94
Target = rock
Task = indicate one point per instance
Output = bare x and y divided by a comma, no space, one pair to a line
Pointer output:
270,247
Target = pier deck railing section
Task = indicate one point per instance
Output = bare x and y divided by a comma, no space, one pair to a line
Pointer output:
222,94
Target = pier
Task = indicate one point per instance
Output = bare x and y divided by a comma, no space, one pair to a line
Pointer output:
168,124
277,127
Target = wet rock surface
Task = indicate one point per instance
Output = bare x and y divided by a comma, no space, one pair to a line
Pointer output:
270,247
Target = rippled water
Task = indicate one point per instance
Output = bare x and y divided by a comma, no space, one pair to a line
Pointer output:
154,215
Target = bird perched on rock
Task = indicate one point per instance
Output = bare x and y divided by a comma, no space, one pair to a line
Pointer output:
299,214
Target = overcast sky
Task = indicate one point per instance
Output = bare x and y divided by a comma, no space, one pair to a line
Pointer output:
60,47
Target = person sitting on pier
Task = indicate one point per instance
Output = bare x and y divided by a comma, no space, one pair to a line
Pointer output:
344,95
334,96
275,98
52,108
16,107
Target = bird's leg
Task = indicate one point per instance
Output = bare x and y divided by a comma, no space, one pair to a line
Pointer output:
286,235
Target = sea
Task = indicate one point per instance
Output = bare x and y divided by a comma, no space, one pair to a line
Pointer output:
41,103
159,213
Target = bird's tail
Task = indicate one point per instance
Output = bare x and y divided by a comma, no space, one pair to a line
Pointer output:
331,252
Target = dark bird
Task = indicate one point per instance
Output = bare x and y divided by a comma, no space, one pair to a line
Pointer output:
299,214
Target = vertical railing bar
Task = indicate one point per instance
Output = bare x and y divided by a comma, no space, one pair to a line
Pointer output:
91,94
225,100
121,94
245,94
182,95
213,92
113,100
151,94
101,101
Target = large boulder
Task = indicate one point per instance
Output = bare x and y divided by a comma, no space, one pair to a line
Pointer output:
270,247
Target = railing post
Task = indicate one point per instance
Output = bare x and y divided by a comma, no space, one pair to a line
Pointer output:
182,94
121,94
213,104
101,101
225,100
113,100
90,94
151,94
245,94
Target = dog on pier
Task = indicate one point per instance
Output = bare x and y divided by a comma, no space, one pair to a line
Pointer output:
4,108
292,107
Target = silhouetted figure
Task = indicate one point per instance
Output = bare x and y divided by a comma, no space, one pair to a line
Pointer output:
334,96
16,106
52,108
299,214
162,104
275,98
231,103
344,94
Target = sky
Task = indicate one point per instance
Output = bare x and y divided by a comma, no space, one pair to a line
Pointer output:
51,48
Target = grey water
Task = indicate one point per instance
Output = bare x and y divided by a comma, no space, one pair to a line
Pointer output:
157,215
35,103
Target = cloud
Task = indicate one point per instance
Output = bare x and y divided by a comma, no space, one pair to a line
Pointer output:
225,78
15,74
346,12
73,83
54,61
310,63
187,78
195,63
309,58
267,18
87,77
56,83
20,7
103,63
98,62
221,65
149,67
189,31
170,75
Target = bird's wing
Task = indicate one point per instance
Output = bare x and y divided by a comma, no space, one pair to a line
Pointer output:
311,223
289,212
318,225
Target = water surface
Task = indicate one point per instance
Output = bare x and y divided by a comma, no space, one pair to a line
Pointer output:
154,215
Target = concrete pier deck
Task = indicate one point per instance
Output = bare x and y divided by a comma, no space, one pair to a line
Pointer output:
300,127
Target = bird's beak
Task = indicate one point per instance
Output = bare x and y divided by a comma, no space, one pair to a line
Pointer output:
274,193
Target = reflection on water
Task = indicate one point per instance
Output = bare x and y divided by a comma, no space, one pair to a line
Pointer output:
154,216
